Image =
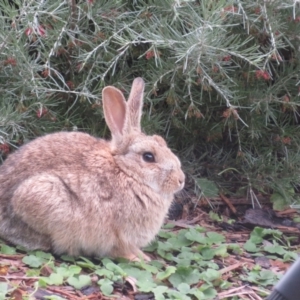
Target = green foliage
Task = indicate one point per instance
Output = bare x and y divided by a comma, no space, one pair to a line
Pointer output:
33,261
53,279
80,281
262,277
37,259
208,188
106,286
191,271
222,81
277,248
7,249
3,290
54,297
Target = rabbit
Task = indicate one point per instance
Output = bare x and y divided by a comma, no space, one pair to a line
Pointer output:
72,193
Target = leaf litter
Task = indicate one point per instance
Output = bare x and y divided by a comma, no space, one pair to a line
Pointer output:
205,256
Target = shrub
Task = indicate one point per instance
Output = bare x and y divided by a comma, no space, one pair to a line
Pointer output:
222,81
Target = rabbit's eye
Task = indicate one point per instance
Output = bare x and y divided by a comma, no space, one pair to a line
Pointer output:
148,157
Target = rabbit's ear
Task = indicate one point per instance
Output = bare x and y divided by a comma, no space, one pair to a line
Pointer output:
114,107
135,103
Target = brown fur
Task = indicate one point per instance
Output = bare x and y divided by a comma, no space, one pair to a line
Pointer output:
72,193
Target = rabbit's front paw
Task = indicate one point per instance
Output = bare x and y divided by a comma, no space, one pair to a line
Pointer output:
137,256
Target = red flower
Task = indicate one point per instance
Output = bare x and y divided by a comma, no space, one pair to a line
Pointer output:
231,8
4,148
215,69
28,31
41,112
226,58
70,84
10,61
150,54
286,98
40,30
257,10
260,74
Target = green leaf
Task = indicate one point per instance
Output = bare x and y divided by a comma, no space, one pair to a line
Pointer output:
80,281
196,236
296,219
290,256
168,226
106,286
235,248
275,249
208,187
8,250
184,275
106,261
147,267
279,202
152,247
44,255
146,286
215,238
165,246
165,274
68,271
33,261
32,272
207,253
144,278
166,255
105,273
179,242
187,256
208,291
86,263
137,273
210,275
198,294
183,288
53,279
157,264
173,294
266,274
115,269
165,234
274,232
54,297
263,277
73,269
257,235
159,292
250,246
221,251
68,258
3,290
215,217
208,264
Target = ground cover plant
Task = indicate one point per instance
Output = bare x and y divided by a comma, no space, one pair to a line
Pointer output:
192,259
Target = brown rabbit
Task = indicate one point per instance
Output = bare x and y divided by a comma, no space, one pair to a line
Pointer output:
73,193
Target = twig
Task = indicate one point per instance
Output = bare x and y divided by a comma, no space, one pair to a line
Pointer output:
227,201
62,292
16,256
19,277
230,268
